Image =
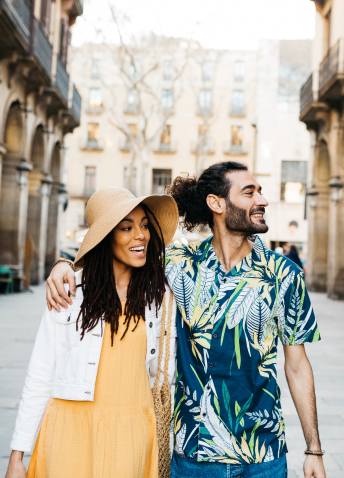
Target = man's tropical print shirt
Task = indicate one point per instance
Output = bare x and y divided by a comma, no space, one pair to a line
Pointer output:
227,401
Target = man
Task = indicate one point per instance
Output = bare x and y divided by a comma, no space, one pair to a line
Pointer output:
235,298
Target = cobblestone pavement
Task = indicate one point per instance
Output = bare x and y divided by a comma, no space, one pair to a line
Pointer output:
20,316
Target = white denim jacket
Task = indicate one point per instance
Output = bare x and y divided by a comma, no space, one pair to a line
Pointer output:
64,367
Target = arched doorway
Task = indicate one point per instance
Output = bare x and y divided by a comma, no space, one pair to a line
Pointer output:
317,262
54,212
35,213
11,242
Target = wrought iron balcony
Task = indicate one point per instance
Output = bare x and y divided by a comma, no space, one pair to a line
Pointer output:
61,80
76,104
19,14
41,47
331,73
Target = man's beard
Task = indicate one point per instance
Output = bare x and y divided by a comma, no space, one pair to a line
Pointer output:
237,220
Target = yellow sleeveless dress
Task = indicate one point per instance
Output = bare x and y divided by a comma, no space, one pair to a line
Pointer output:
112,437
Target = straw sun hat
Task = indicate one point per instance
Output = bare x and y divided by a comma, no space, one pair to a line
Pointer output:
108,206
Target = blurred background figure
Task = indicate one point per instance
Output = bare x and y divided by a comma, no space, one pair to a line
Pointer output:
293,254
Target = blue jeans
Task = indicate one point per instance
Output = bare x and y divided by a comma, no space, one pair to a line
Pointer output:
190,468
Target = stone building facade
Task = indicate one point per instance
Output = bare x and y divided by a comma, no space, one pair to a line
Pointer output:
322,111
254,107
39,105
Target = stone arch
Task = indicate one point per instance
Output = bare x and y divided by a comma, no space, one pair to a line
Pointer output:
319,221
10,199
36,203
55,209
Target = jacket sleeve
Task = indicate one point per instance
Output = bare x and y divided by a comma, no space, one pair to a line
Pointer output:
37,387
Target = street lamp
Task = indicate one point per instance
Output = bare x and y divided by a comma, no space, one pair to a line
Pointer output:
312,195
23,169
63,196
46,185
336,188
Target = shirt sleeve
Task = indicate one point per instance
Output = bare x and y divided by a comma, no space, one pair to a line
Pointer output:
296,320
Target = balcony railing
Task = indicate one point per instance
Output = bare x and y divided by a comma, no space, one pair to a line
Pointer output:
19,11
76,103
61,79
238,110
331,65
307,94
41,48
166,148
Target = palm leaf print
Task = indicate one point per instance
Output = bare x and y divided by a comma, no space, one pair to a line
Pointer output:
257,318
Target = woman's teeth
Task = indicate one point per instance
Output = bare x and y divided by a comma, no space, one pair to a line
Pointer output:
139,249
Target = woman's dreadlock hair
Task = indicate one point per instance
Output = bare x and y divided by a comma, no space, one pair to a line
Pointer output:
147,283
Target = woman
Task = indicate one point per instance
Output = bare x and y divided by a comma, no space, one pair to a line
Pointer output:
87,390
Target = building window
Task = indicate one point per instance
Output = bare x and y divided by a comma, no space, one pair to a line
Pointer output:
131,102
167,70
204,102
161,178
45,16
237,138
134,70
238,102
90,180
239,70
207,70
133,129
130,182
93,135
95,98
293,181
165,138
95,69
203,138
65,37
167,99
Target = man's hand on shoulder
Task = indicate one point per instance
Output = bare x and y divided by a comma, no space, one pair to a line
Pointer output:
61,274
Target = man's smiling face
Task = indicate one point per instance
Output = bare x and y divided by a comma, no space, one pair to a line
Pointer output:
245,205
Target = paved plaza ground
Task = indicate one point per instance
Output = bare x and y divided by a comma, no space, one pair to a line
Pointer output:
20,315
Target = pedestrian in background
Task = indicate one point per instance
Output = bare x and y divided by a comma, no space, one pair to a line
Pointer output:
293,255
93,356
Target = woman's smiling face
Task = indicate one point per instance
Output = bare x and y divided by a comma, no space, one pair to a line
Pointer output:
130,239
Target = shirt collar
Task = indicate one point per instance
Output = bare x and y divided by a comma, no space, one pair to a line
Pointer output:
258,257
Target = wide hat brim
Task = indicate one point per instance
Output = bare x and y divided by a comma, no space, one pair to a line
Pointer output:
163,207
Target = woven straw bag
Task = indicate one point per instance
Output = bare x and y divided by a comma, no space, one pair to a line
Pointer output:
162,396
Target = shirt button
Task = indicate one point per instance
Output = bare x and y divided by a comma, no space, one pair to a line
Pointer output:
211,365
68,319
224,280
219,308
204,414
215,336
153,351
208,387
150,324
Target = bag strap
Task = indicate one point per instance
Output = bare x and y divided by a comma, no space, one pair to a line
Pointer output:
161,340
